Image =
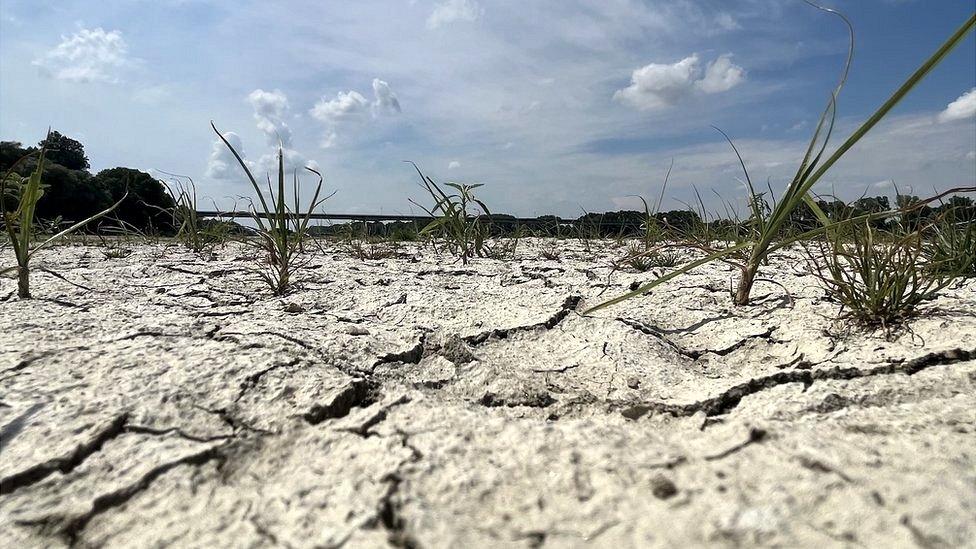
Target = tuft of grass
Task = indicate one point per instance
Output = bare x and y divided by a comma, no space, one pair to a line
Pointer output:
457,224
199,235
642,259
878,281
551,249
115,239
767,226
282,227
638,258
504,248
19,222
369,248
951,246
587,231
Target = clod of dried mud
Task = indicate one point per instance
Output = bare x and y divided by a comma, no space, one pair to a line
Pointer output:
415,402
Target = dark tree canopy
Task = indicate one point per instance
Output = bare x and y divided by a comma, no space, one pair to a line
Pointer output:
143,207
11,152
70,195
65,151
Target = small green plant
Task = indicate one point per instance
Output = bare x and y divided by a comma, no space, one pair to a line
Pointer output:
951,243
587,231
642,259
19,223
369,248
115,239
768,226
550,249
504,248
281,228
638,258
878,283
457,226
195,233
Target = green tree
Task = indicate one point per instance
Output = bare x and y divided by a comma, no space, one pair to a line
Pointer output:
10,153
70,195
147,198
63,150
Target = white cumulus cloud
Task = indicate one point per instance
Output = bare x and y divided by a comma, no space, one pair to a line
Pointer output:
222,164
453,165
452,11
89,55
385,100
659,85
345,106
960,109
721,75
269,112
352,106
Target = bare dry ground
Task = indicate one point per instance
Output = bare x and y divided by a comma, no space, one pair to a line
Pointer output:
415,402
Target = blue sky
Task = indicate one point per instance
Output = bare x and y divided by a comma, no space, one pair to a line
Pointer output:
555,105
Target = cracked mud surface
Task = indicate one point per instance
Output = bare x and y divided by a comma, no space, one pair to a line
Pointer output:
413,402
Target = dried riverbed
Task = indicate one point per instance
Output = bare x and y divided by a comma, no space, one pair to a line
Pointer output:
416,402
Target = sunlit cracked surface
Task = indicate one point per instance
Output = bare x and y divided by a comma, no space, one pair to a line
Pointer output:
163,399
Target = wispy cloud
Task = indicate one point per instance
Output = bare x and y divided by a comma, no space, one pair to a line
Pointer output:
452,11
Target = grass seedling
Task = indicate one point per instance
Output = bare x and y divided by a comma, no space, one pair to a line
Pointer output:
587,231
282,228
456,224
195,233
369,248
550,249
115,239
646,252
504,248
638,258
19,222
769,226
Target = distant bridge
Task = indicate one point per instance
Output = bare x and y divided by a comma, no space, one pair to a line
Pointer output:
384,217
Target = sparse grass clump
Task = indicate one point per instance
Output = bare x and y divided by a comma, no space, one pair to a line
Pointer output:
551,249
503,248
951,246
369,248
199,235
458,226
878,281
282,228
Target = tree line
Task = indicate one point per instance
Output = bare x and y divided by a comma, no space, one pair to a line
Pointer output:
73,193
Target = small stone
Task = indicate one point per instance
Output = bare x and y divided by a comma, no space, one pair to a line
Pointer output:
357,330
662,487
294,308
633,382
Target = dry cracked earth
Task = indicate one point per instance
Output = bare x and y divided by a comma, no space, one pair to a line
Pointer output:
416,402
